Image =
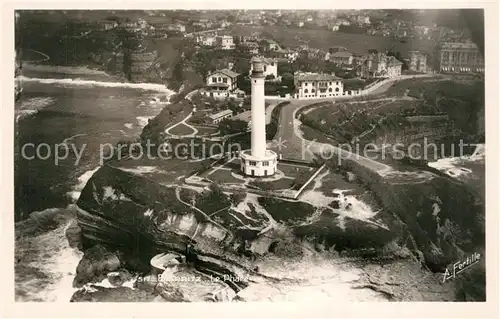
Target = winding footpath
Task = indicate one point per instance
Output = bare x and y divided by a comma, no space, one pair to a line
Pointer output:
184,121
45,57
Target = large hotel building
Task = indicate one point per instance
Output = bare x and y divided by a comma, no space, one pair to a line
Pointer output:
460,57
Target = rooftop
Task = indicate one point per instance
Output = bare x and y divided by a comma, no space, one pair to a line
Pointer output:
220,114
316,77
226,72
393,61
457,45
341,54
218,85
263,59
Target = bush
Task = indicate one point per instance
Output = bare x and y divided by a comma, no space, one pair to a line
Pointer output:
228,126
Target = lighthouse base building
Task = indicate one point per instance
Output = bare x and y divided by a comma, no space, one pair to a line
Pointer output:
258,165
258,161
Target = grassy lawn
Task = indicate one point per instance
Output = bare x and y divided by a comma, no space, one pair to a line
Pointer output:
181,129
280,184
292,170
299,175
324,39
205,130
221,176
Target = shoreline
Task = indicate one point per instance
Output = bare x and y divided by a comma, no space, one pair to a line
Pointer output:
83,69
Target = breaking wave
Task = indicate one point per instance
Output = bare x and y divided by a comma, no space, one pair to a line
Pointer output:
32,106
46,264
314,278
455,166
76,190
90,83
143,120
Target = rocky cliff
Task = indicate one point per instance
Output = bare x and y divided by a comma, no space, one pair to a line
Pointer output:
134,218
128,213
140,217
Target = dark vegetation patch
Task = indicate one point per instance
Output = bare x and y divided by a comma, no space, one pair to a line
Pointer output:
288,212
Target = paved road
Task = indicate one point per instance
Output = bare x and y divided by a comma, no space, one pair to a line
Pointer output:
290,143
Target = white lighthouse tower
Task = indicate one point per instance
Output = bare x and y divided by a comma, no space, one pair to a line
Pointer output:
258,161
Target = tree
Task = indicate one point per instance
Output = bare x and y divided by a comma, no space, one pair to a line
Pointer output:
236,41
285,68
178,73
233,105
244,84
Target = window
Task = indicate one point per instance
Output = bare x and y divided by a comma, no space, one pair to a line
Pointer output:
272,63
265,68
305,83
336,89
337,83
265,163
214,79
252,163
312,91
306,91
220,79
330,89
330,83
224,80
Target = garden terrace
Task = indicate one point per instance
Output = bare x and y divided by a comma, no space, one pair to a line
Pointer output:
171,114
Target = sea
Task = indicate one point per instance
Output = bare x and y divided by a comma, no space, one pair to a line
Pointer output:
81,110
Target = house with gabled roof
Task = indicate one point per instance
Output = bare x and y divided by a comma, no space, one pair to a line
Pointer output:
381,65
222,83
224,80
341,58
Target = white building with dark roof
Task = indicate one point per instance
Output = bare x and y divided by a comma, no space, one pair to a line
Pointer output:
225,42
381,65
222,84
270,66
224,79
341,58
220,116
317,85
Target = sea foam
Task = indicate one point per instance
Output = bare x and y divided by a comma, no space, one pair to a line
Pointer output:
76,190
90,83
